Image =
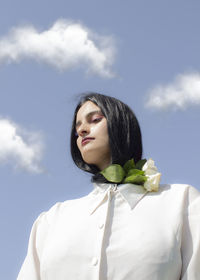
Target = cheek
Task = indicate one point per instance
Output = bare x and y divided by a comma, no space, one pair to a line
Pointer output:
104,133
78,142
100,130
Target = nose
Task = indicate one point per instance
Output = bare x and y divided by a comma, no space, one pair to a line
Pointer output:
83,129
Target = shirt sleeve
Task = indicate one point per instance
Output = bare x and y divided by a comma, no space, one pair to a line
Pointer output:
191,242
31,267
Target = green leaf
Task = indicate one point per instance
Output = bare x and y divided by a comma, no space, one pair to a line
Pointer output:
113,173
135,179
140,163
135,172
130,164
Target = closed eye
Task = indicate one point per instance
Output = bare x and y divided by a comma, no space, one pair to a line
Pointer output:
97,120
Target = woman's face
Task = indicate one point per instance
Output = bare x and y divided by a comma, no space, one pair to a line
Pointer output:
91,124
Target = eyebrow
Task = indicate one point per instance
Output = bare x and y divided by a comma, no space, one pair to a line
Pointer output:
88,115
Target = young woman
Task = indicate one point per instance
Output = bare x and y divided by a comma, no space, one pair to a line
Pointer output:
128,227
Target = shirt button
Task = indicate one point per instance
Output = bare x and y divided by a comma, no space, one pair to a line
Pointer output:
101,225
94,261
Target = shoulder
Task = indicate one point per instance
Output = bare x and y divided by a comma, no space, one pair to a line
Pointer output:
183,195
65,208
180,189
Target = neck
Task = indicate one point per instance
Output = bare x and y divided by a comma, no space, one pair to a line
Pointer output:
104,164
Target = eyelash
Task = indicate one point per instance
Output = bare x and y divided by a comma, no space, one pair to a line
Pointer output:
97,119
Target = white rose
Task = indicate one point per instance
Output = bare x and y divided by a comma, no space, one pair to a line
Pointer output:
152,174
149,168
152,183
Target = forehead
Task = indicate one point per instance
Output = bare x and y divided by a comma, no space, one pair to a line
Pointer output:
86,108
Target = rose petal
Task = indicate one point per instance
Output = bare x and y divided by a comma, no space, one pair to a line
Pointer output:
152,183
149,168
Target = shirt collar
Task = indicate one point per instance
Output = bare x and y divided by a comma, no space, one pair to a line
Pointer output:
131,193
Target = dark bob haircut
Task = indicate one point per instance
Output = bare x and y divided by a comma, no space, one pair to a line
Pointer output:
123,130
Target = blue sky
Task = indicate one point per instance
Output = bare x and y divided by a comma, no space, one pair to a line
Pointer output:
146,53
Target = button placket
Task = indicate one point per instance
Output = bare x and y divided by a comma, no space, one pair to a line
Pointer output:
102,225
102,215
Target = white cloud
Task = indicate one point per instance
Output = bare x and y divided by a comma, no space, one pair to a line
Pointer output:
19,147
182,93
65,45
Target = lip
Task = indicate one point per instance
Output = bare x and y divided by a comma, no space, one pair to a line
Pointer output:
86,140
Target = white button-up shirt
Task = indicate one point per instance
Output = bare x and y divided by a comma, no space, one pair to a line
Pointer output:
121,233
